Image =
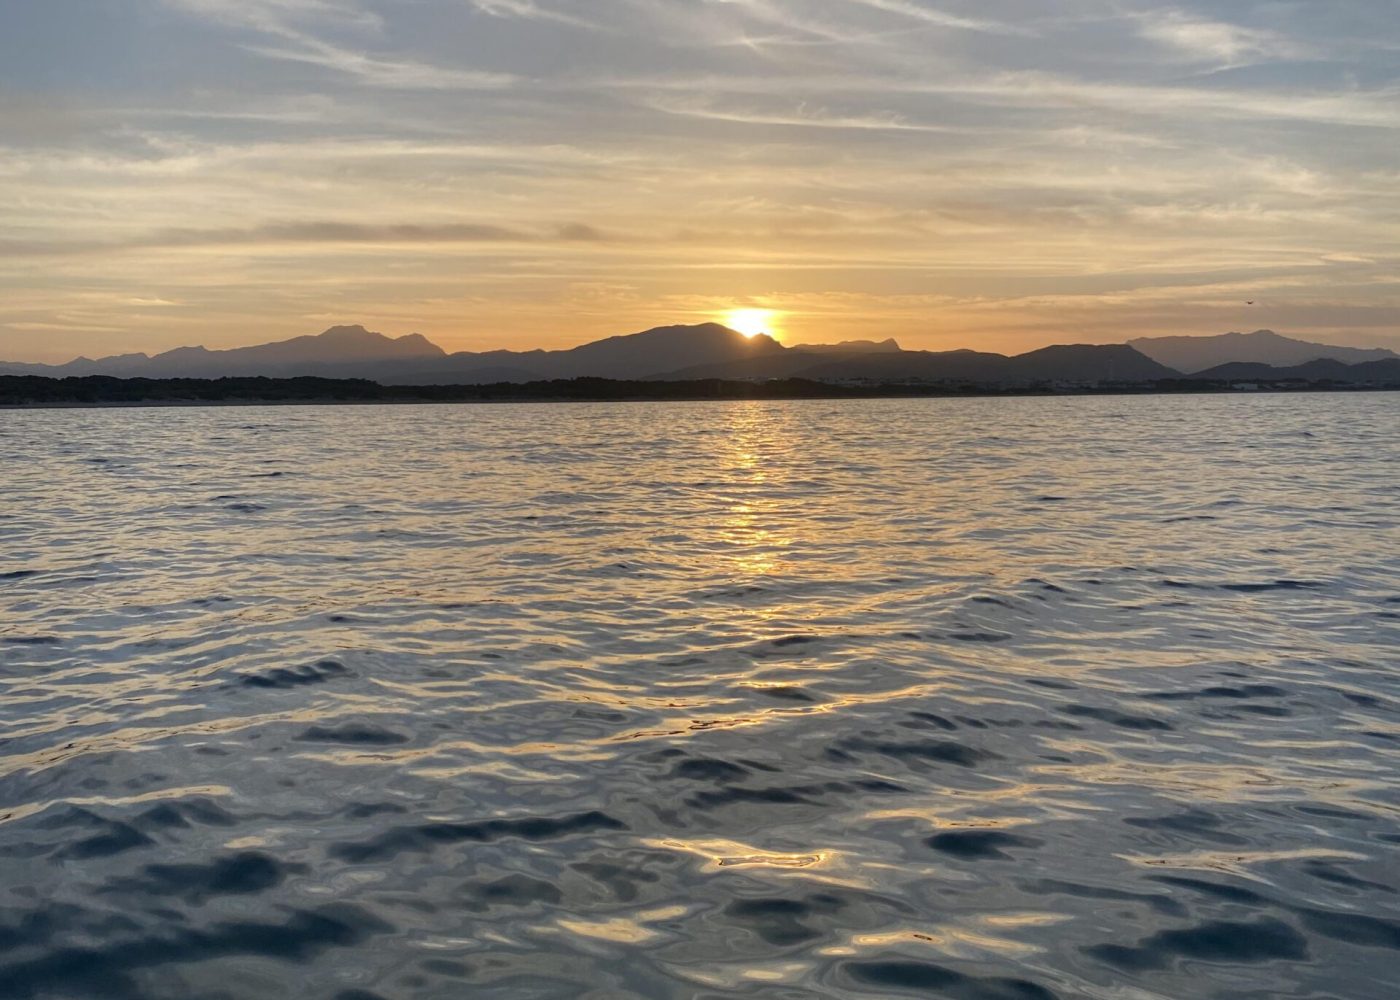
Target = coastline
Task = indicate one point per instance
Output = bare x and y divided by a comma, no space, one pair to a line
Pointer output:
676,392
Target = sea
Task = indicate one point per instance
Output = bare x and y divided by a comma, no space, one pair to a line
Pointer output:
986,699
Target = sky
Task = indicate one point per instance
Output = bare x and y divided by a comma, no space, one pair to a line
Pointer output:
997,174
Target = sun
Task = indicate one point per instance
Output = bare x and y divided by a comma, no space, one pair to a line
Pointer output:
751,322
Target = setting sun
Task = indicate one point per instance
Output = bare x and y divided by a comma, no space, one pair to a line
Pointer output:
751,322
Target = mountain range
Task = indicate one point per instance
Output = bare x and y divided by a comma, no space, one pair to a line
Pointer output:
1190,355
710,350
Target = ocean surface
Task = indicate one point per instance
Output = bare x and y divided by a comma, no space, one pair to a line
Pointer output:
998,699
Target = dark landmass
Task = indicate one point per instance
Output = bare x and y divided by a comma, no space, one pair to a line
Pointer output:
1320,370
1199,355
711,351
101,390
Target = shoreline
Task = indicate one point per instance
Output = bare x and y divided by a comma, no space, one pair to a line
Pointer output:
834,393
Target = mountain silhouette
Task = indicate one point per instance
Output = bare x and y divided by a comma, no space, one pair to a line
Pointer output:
340,351
886,346
714,351
1383,371
1061,363
1196,354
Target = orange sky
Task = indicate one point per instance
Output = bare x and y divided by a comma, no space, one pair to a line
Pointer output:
521,173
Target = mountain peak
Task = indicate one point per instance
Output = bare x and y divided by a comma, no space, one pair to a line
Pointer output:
358,339
343,332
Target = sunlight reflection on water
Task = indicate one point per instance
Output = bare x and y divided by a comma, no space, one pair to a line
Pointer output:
978,698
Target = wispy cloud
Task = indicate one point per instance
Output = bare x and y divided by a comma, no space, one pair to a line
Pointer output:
937,170
532,10
937,16
1217,42
288,20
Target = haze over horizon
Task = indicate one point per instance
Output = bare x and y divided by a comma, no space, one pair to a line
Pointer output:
541,173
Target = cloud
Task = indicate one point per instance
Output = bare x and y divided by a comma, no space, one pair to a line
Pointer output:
1212,41
941,18
294,24
531,10
314,232
503,159
803,115
374,71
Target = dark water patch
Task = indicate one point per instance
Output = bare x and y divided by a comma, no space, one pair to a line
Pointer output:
1160,902
19,574
31,640
1229,893
785,693
979,845
240,874
783,922
997,601
426,837
1122,720
926,751
1385,705
353,733
245,508
979,636
797,795
926,720
1261,588
1238,711
624,881
290,677
1331,812
1196,823
1329,872
792,640
1241,691
451,968
184,815
366,810
1353,928
807,794
706,769
204,602
925,979
1051,684
107,837
512,891
105,971
1220,941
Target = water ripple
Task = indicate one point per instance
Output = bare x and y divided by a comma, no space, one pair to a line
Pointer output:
979,699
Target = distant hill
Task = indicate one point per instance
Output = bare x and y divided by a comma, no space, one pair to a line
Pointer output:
1195,354
705,351
1062,363
353,352
632,356
887,346
340,351
1383,372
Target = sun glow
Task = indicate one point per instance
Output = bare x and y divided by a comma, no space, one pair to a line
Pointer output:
751,322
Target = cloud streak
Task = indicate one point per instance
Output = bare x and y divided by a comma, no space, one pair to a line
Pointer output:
992,173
